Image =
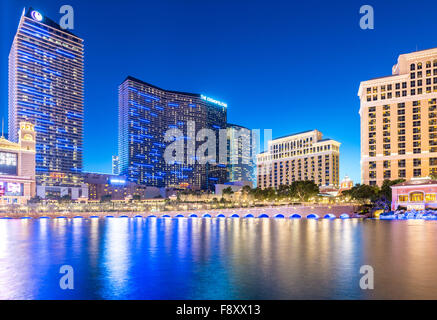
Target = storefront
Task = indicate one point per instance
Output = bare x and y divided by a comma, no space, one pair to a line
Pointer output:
418,194
17,167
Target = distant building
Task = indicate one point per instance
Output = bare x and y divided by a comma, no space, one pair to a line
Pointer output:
235,186
146,114
399,120
241,164
17,166
416,193
46,84
115,165
117,187
346,184
300,156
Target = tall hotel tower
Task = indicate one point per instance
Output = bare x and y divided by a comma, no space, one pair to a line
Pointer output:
46,89
399,120
241,164
300,156
146,112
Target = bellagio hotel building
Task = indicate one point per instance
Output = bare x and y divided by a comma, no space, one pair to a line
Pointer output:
301,156
399,120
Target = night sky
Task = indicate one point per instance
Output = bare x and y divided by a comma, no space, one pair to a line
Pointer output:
288,66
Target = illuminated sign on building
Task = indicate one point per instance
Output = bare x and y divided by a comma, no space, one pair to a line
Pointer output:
36,15
117,181
8,163
11,189
213,101
57,175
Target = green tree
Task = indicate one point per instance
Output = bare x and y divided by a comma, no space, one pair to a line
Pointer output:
363,193
246,189
65,198
284,191
304,190
385,191
227,191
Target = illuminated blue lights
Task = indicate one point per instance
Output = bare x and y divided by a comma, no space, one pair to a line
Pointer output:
65,54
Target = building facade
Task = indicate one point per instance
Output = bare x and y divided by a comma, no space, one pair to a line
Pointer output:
115,187
115,165
301,156
17,167
416,193
146,114
399,120
241,164
46,89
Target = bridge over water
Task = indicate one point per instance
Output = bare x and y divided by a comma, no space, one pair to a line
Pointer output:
285,212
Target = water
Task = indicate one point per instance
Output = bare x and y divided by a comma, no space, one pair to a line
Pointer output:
124,258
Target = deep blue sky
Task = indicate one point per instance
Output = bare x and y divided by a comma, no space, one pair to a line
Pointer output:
285,65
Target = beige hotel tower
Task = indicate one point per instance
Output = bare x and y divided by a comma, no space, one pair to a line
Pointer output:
300,156
399,120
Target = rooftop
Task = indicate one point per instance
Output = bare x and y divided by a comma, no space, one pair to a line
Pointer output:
416,182
153,86
45,20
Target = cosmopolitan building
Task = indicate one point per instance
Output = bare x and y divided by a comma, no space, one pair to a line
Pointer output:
146,113
46,89
241,164
300,156
17,167
399,120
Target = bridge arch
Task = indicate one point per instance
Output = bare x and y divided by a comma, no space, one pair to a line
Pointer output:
179,216
235,216
221,215
295,216
329,216
206,215
249,215
263,215
344,216
313,216
279,216
193,215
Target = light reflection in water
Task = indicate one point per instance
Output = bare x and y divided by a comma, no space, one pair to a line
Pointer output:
217,258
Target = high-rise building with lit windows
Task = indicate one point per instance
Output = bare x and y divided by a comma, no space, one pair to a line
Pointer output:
300,156
115,165
146,113
46,85
241,164
399,120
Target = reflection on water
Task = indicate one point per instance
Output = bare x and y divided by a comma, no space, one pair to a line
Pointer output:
137,258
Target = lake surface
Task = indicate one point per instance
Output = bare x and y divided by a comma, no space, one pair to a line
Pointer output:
150,258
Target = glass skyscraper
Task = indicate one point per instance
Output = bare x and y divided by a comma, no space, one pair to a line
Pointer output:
241,158
46,84
146,112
